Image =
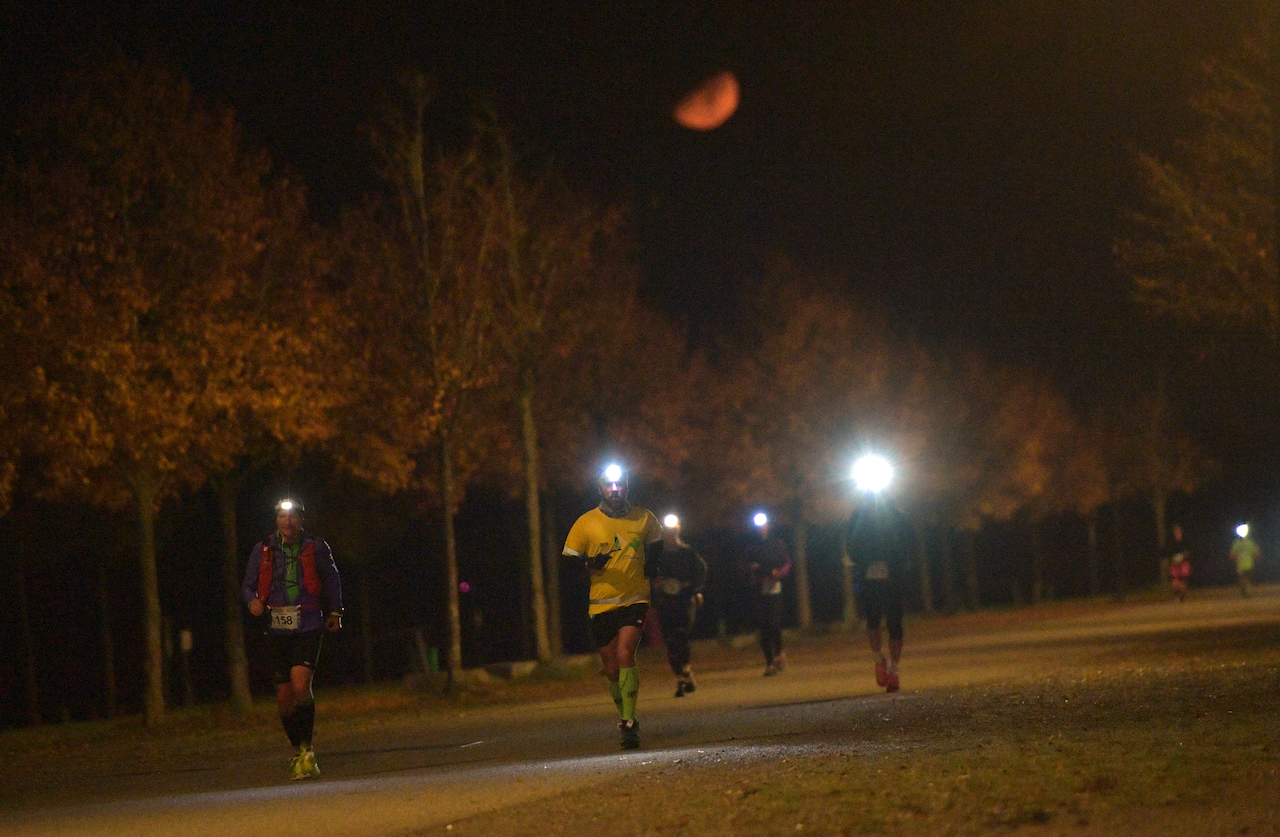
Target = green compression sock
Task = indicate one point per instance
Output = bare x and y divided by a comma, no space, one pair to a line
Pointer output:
629,684
615,691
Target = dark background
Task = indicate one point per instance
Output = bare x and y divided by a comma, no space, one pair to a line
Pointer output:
958,165
962,163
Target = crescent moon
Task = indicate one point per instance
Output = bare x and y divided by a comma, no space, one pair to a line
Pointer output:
710,104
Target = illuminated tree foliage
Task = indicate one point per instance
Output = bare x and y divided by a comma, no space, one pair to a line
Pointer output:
1201,246
792,409
295,377
557,247
1152,457
143,225
418,278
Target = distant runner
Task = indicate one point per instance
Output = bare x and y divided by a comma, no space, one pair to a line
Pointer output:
881,543
1179,561
1244,552
292,575
677,595
766,562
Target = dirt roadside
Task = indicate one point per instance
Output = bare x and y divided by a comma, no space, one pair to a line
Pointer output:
1173,736
1174,749
1160,730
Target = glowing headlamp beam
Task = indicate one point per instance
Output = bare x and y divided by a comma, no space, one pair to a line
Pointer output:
872,473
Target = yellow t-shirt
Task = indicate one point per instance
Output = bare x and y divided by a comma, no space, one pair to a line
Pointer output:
623,539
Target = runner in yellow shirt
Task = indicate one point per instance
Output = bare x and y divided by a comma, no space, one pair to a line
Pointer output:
621,545
1244,552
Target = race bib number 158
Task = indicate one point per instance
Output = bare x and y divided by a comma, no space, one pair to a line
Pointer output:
285,618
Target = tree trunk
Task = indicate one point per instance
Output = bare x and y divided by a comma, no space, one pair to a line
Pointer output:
1160,505
146,490
542,646
1037,563
804,610
971,570
551,549
847,594
1273,100
922,566
448,492
1117,550
108,640
366,629
226,490
34,718
951,600
1093,552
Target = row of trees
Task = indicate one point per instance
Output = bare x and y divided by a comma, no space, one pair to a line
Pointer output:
171,318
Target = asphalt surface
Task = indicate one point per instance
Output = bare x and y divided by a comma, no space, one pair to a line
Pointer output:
408,775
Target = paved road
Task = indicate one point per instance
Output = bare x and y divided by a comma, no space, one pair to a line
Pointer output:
407,776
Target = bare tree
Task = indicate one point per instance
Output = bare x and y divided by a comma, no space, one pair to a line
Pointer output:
439,243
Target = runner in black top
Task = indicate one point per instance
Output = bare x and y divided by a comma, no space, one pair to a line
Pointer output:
676,597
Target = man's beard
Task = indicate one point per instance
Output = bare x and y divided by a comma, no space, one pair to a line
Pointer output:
615,508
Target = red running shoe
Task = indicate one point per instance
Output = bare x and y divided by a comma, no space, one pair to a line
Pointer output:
891,681
882,673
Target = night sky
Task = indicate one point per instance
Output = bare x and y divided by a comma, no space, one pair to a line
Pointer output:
960,165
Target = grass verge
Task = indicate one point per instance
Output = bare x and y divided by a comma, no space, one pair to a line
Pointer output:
1180,748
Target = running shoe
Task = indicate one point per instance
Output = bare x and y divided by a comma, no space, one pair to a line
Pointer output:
680,690
891,681
295,767
307,767
780,661
882,673
770,670
630,734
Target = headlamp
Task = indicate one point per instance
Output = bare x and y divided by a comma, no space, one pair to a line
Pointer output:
872,473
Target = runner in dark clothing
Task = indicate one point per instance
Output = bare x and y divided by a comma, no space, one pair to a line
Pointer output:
676,596
766,562
881,544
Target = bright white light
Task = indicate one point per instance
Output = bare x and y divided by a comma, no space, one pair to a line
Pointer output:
671,521
613,473
761,519
872,473
286,505
1242,531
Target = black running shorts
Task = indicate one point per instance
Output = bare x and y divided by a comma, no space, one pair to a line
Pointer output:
883,600
605,626
293,649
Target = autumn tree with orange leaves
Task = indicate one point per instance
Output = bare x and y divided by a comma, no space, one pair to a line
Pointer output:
143,222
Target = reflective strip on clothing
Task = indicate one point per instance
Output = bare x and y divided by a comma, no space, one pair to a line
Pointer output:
622,600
